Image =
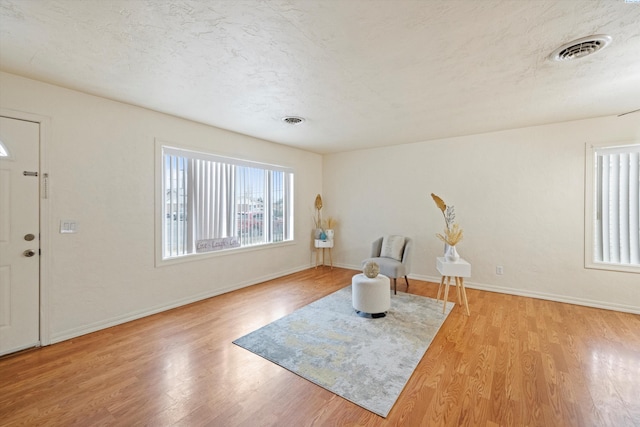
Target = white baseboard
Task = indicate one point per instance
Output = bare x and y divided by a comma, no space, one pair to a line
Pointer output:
525,293
107,323
539,295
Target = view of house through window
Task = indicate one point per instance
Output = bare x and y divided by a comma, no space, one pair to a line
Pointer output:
215,203
615,216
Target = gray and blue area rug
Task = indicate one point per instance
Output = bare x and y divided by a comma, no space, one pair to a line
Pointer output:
366,361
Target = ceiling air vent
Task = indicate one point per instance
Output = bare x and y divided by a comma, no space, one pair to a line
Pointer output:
580,48
292,120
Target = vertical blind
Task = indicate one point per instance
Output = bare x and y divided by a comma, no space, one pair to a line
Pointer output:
617,221
175,184
213,197
252,193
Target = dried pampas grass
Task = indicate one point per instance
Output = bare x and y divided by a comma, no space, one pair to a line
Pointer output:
329,223
439,202
452,233
317,219
452,236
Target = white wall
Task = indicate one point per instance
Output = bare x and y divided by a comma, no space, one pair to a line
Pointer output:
519,196
101,165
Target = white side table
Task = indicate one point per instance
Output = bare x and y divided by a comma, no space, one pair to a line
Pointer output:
458,270
323,244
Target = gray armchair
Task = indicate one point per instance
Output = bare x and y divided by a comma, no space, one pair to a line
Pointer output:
392,265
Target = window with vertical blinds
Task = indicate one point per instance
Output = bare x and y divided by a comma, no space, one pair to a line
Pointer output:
615,207
214,203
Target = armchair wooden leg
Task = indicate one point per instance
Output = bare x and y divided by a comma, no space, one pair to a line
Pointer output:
406,279
395,286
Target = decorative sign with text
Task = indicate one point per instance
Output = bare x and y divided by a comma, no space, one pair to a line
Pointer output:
209,245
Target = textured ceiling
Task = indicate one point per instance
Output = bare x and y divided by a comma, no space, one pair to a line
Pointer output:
364,73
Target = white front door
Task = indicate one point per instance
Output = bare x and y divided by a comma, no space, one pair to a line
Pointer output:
19,235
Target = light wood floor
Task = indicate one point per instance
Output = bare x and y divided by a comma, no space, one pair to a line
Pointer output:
514,362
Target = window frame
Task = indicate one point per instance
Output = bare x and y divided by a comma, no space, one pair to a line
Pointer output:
160,203
591,210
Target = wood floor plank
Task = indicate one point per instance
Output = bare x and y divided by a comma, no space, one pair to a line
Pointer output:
514,361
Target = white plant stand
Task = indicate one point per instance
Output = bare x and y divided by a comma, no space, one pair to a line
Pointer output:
458,270
322,245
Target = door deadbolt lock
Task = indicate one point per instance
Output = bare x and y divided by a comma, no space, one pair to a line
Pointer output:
29,237
29,253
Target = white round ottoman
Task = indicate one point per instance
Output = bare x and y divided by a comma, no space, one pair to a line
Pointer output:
371,296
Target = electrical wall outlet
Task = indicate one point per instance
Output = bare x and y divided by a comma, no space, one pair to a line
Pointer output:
499,270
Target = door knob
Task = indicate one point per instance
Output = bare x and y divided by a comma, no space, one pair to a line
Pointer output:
29,253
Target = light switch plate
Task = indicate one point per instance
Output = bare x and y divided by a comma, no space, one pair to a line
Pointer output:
68,226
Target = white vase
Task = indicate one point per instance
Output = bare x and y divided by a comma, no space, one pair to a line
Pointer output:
329,233
451,254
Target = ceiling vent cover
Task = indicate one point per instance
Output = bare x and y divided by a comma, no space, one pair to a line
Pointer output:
292,120
580,48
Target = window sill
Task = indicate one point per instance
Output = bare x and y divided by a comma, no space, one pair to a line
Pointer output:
163,262
621,268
